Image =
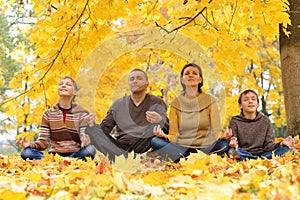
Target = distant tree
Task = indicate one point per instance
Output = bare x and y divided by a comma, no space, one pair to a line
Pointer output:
7,45
11,38
13,42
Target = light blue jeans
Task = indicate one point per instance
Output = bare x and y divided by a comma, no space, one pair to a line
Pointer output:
33,154
175,152
243,155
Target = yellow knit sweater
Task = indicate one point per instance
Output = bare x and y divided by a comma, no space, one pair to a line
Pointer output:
194,123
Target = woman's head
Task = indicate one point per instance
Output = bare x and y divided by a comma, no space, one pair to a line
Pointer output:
186,70
67,86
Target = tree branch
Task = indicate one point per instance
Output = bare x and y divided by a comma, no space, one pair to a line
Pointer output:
54,59
232,16
191,19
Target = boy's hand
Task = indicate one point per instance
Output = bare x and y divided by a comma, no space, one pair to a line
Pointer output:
289,141
85,140
23,142
90,119
233,142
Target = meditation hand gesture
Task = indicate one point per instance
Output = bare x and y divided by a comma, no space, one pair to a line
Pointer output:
159,132
85,140
153,117
233,142
227,134
289,141
90,119
23,142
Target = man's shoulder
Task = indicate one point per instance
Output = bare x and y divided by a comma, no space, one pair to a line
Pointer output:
154,98
120,101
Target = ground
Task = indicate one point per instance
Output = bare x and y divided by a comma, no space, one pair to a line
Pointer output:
142,177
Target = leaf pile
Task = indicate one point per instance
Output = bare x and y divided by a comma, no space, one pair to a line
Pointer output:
140,177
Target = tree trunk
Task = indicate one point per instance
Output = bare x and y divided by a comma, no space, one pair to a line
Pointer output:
290,67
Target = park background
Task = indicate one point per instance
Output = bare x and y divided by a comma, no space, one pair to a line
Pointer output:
239,45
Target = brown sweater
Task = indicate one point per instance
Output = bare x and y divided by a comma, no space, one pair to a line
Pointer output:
130,120
255,136
194,122
62,133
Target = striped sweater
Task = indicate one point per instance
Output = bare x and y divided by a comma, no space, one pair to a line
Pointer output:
63,135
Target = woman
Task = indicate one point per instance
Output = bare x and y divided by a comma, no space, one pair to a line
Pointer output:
253,135
62,128
194,121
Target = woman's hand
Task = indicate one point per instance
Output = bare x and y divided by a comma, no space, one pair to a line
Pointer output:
159,132
289,141
153,117
23,142
227,134
233,142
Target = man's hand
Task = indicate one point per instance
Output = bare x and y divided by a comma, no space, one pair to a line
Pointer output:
153,117
90,119
289,141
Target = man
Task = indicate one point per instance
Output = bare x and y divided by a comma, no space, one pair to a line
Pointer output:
134,118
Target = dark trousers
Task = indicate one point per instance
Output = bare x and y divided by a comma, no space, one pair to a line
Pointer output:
241,154
33,154
175,152
111,147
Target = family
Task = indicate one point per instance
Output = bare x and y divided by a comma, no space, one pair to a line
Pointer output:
140,124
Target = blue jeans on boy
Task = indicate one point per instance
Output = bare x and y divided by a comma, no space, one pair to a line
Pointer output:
241,154
175,152
33,154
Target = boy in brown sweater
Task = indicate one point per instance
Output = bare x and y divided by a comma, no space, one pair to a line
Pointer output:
252,131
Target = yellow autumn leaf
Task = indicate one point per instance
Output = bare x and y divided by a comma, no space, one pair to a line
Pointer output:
7,194
156,178
32,176
127,165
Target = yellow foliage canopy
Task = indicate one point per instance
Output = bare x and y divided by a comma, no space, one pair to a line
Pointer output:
238,42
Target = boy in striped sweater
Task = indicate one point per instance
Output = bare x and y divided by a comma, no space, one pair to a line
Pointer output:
62,128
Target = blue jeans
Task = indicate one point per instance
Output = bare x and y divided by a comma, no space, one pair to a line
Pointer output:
33,154
241,154
175,152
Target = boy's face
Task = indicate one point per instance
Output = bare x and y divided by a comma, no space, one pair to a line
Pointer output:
66,87
249,102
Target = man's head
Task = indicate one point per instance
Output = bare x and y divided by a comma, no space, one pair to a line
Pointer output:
138,81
